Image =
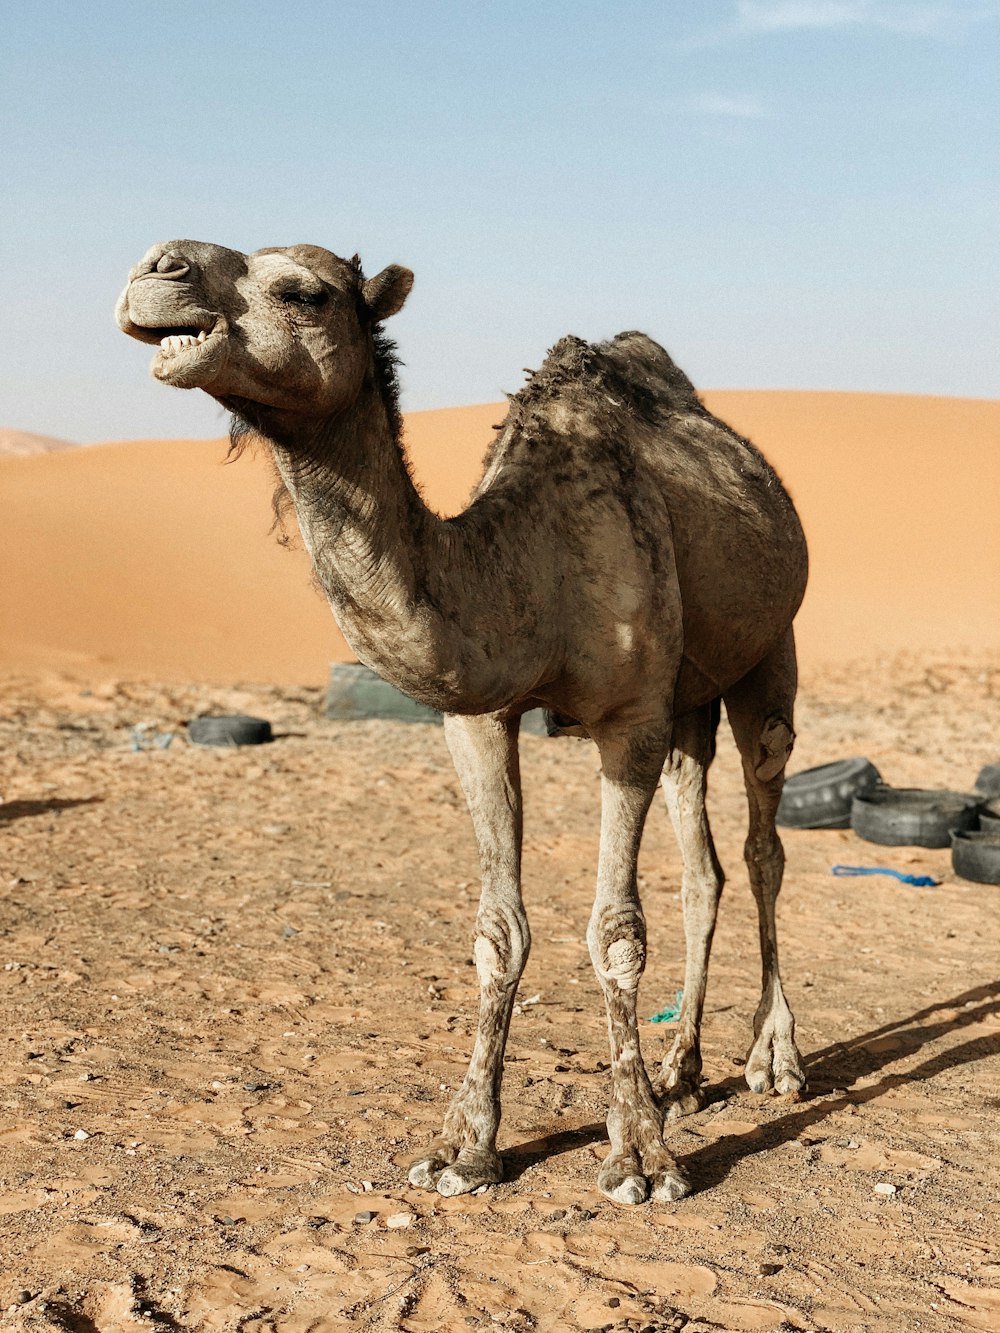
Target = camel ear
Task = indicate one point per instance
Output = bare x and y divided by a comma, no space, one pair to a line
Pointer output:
385,293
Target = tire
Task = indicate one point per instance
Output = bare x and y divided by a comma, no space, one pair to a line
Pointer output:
912,817
976,856
989,780
234,729
821,797
989,816
357,694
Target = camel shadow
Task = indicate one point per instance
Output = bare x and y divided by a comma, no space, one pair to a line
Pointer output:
837,1067
11,810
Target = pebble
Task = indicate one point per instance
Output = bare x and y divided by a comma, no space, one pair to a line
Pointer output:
883,1187
397,1220
366,1216
81,1134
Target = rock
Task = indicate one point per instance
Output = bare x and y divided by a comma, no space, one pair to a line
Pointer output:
366,1216
81,1134
883,1187
397,1220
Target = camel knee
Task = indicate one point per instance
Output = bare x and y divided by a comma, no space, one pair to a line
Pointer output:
501,947
618,948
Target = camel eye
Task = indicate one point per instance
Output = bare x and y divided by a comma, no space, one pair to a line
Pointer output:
313,300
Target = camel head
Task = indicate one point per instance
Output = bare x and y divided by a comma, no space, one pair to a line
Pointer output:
286,330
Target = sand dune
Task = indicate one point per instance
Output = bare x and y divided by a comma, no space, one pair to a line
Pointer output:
152,558
25,444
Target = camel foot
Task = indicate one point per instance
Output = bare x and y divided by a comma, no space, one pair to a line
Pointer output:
774,1062
625,1178
451,1171
681,1091
621,1179
682,1099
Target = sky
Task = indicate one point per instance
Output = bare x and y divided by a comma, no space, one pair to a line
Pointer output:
793,194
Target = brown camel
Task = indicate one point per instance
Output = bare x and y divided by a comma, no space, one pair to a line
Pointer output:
627,561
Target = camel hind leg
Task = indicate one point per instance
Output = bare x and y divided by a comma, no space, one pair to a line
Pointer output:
760,710
684,780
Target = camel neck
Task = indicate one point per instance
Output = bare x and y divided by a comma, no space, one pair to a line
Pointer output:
371,538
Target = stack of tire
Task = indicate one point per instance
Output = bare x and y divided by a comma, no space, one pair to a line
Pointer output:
851,794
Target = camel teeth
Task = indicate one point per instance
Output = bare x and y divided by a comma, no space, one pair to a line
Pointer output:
177,342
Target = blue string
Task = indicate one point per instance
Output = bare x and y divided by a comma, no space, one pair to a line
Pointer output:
920,881
671,1013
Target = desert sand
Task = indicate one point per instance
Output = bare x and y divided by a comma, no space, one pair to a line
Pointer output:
25,443
237,985
152,558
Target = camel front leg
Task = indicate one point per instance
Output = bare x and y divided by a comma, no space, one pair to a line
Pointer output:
638,1164
464,1155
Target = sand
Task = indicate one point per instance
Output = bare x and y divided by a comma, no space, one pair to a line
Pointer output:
152,558
237,993
25,444
237,987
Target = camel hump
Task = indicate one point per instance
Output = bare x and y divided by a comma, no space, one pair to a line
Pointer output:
631,369
641,359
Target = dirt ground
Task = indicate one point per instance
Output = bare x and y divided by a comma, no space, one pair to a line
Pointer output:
237,990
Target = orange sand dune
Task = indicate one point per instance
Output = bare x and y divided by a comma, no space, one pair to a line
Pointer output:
24,444
151,558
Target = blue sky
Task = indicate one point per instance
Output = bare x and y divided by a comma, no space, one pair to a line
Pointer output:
785,193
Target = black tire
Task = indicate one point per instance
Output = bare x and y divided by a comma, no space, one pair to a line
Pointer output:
976,856
234,729
821,797
989,780
912,817
989,816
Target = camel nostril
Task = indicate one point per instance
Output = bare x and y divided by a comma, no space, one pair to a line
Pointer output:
171,265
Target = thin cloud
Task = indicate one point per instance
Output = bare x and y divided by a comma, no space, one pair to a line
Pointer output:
922,19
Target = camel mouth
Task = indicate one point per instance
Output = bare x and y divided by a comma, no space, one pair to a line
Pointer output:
181,338
187,355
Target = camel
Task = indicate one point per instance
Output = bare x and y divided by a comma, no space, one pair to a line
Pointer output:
627,561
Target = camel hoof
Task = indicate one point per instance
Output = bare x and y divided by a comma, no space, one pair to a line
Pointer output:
790,1080
680,1102
670,1186
632,1190
426,1171
470,1171
621,1180
424,1175
774,1062
759,1080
